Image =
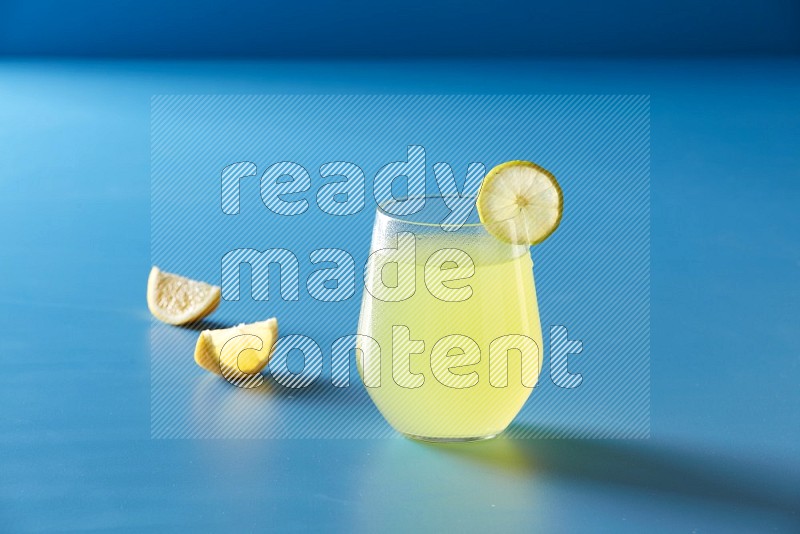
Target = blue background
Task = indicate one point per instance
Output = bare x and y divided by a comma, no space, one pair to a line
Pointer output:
366,28
724,452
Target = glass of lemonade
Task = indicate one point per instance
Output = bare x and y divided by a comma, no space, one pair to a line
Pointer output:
449,343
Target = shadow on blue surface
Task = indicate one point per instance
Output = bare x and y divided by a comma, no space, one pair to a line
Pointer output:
208,324
638,466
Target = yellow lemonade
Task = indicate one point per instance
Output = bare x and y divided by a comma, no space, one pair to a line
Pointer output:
458,358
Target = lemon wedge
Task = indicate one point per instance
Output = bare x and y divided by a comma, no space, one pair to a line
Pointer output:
178,300
520,203
238,351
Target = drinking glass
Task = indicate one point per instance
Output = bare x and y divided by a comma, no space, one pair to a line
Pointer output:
449,334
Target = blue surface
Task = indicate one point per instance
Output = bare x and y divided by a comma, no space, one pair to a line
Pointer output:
365,28
75,452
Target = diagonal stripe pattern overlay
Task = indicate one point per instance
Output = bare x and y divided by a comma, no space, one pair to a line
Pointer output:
272,197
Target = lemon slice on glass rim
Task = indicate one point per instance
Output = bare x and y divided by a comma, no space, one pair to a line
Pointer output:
520,203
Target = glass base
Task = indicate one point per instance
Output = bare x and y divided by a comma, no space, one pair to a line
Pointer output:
449,440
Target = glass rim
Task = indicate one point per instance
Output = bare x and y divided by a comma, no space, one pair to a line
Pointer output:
400,218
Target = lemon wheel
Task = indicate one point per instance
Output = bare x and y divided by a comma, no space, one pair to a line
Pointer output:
520,203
